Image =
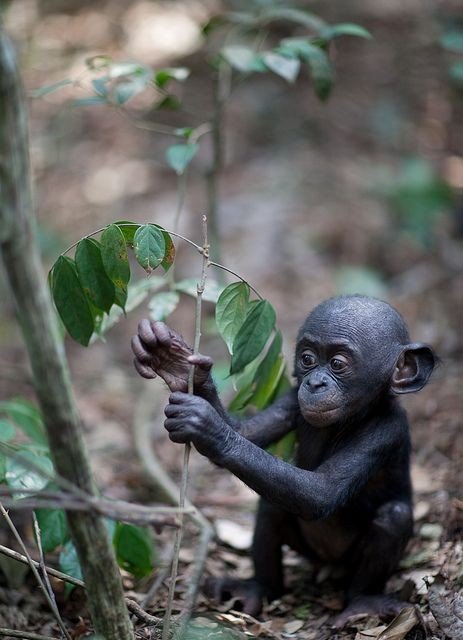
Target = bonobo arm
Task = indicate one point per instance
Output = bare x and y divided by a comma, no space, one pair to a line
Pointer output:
161,351
308,494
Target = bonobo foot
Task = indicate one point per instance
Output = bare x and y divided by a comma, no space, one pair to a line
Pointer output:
247,594
379,605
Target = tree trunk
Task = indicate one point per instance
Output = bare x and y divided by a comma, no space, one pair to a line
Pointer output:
24,273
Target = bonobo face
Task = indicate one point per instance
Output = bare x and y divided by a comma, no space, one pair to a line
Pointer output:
345,356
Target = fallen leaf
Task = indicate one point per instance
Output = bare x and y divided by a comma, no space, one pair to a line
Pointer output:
401,625
293,626
368,634
431,531
233,534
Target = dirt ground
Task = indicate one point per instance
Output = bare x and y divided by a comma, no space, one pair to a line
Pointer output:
301,212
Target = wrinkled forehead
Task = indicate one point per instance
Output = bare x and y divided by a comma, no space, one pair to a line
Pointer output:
360,321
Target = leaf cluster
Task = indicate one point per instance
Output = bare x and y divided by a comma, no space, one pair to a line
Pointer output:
290,54
24,454
85,288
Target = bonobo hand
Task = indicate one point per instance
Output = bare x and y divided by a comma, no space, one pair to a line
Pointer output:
193,419
161,351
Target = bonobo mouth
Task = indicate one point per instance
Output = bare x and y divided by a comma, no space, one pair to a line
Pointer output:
320,409
321,416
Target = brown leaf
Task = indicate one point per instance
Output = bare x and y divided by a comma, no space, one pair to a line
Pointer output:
401,625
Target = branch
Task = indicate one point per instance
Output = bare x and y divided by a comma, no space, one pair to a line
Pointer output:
10,553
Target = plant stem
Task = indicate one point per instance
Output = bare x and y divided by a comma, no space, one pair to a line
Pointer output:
186,456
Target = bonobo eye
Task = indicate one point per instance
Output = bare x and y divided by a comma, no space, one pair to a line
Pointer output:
308,359
338,364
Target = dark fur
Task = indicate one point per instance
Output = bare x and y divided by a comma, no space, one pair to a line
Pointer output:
348,498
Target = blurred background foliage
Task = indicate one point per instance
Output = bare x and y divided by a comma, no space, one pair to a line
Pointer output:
361,193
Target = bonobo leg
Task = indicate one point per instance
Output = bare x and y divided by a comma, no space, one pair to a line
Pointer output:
274,528
374,559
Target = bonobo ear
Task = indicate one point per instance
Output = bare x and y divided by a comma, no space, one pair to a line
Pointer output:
413,368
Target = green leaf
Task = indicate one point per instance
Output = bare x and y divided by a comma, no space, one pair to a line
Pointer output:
89,101
169,255
129,70
116,261
149,247
240,58
135,549
231,310
268,374
252,336
163,76
287,68
184,132
101,86
211,291
96,63
163,304
136,294
179,156
19,475
345,29
304,18
7,431
456,72
45,90
96,284
53,528
27,417
284,448
132,78
69,563
169,102
453,41
128,230
319,64
71,301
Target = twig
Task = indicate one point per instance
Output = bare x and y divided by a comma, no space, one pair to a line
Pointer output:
43,568
33,567
187,450
24,635
125,511
141,614
78,500
237,275
10,553
211,263
159,579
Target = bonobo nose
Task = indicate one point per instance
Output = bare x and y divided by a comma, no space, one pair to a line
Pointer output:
316,380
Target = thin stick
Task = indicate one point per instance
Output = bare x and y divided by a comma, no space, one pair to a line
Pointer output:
43,568
33,567
10,553
186,456
210,263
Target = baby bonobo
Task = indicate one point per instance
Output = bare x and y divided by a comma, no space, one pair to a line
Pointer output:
347,497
